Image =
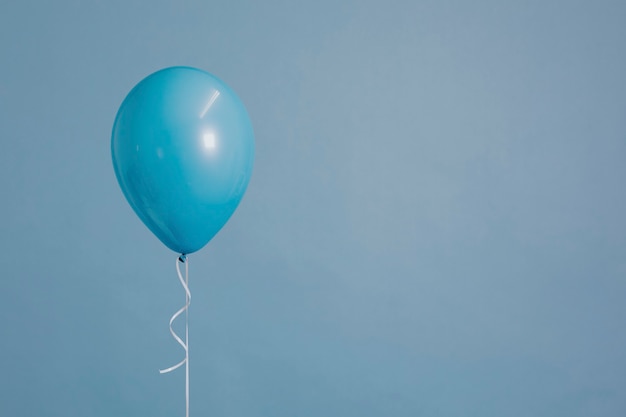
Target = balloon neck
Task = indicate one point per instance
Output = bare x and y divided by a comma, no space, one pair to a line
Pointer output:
182,258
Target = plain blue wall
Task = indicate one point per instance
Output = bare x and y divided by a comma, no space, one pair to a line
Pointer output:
435,225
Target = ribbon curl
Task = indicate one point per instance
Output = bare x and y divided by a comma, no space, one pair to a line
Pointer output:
182,259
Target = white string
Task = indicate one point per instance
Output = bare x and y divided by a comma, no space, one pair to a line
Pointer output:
185,282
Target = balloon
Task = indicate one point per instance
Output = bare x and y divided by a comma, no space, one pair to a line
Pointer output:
183,149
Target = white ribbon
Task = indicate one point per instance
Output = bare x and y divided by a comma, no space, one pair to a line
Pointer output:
185,282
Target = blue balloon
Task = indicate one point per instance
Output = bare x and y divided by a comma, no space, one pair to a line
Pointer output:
183,149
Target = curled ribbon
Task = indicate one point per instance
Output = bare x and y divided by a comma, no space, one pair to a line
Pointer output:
182,259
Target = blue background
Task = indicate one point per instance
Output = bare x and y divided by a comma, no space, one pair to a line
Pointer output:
435,224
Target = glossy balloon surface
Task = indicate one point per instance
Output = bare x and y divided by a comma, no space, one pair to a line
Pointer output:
183,150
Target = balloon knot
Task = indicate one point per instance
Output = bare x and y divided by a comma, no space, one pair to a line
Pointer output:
182,258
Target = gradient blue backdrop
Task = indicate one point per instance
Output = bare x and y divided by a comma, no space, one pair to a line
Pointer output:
435,225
